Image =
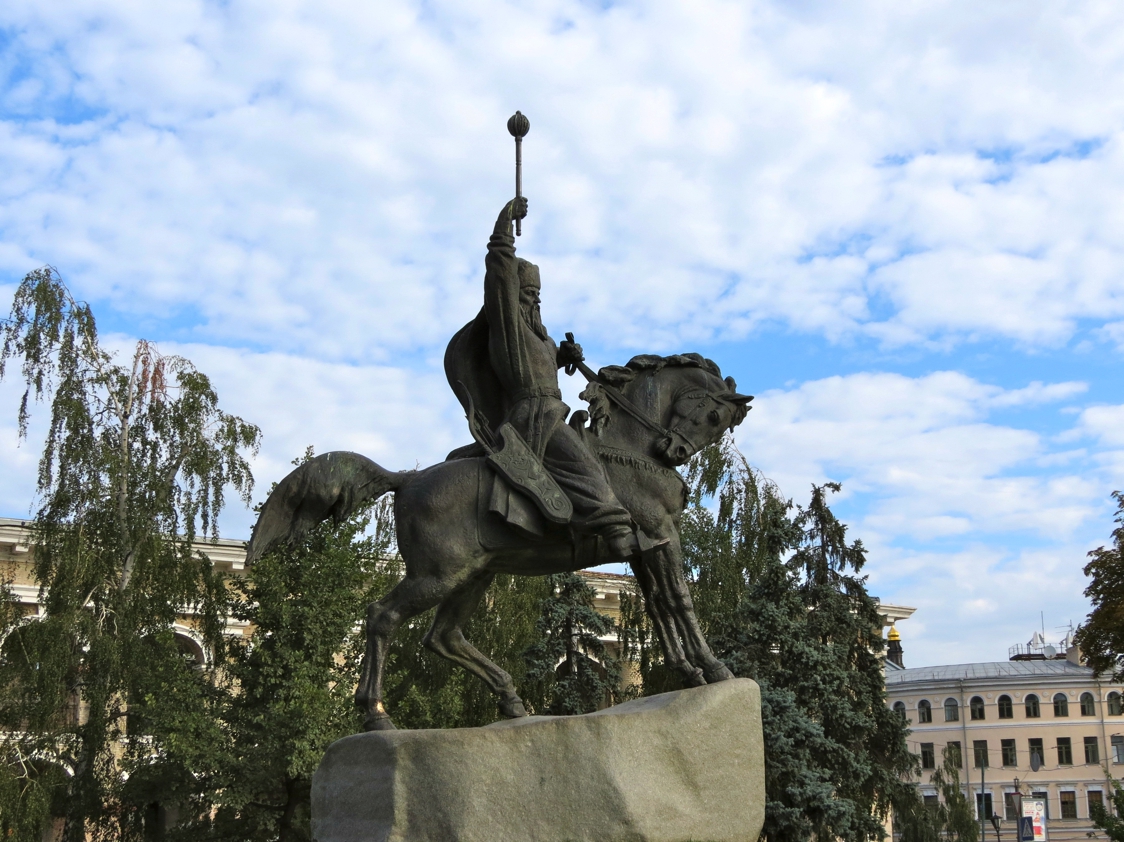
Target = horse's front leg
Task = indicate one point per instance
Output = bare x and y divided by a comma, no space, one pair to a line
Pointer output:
656,606
666,564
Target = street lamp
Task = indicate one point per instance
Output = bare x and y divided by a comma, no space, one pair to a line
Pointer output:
1019,809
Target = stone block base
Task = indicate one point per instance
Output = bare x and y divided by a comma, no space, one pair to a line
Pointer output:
680,767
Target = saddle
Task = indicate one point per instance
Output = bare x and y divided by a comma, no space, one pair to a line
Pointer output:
518,500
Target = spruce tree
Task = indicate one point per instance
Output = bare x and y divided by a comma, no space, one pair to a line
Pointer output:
569,669
779,593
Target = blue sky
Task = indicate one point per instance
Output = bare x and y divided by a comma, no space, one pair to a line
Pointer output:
898,225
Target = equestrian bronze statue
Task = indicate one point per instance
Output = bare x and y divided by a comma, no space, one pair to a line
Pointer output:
539,491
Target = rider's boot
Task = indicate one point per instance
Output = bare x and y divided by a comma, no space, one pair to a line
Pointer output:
621,541
624,543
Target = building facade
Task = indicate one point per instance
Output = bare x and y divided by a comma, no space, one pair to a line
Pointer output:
995,717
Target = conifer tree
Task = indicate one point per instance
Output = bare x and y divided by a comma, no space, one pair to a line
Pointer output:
135,467
569,669
779,593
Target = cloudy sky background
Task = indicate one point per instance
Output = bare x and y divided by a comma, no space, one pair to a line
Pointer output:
899,225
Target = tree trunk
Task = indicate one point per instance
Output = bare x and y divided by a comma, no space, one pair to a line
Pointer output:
285,830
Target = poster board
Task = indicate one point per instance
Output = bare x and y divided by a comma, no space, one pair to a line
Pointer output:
1035,809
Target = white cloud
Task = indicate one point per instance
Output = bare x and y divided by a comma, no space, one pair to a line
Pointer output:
322,179
924,452
315,183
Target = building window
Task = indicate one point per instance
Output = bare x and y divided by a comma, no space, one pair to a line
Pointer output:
979,751
1010,755
952,751
1092,750
924,711
983,805
1114,704
1045,796
1032,710
976,706
1117,749
928,756
1061,705
899,709
1010,806
1069,804
1065,752
951,710
1036,750
1088,706
1006,710
932,801
1096,799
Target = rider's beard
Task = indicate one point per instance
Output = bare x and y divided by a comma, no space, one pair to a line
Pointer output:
533,317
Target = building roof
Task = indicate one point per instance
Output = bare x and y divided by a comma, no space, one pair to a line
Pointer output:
993,669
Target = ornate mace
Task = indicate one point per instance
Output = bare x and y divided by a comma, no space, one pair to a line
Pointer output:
518,125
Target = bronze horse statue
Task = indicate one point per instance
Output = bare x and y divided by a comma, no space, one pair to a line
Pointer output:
645,419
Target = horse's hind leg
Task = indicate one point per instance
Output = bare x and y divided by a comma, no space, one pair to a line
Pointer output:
446,639
407,599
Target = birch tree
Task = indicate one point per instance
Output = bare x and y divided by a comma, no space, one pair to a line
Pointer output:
135,466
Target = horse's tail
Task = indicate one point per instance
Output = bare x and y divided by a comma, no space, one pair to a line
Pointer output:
331,485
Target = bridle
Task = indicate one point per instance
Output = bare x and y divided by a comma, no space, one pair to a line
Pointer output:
666,435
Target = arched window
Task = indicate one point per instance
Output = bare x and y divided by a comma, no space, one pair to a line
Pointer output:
899,709
951,710
1088,706
191,650
1032,711
1006,709
976,706
924,711
1114,704
1061,705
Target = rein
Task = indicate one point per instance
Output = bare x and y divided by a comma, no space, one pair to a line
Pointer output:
616,396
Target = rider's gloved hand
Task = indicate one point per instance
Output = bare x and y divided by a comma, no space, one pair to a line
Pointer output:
569,354
519,207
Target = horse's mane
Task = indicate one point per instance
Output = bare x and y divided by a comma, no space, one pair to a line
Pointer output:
621,375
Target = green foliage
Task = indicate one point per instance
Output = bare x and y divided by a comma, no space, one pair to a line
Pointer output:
424,690
287,687
569,669
778,592
135,464
1101,637
1112,823
952,819
729,547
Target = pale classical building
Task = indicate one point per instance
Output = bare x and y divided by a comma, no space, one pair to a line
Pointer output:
16,554
997,715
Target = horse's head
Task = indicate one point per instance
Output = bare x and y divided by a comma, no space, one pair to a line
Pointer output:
686,395
700,413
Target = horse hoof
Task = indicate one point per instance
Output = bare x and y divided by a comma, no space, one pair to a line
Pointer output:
512,708
722,673
379,723
694,678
